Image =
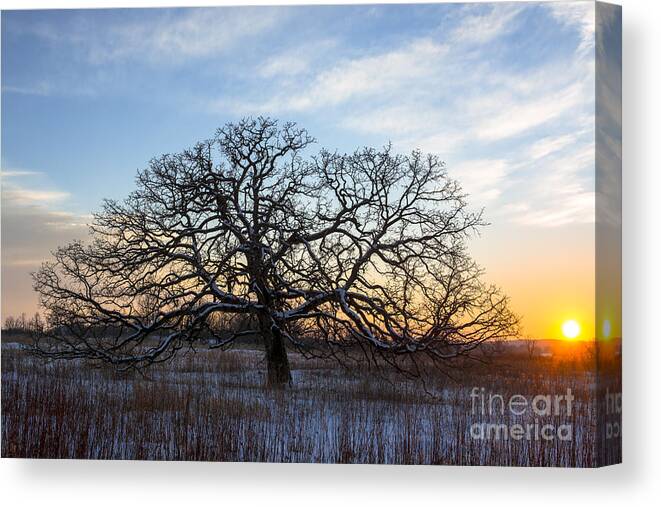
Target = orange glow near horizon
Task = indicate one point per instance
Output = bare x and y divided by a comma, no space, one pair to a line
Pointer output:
547,285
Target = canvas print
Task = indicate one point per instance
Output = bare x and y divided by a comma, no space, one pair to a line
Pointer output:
385,234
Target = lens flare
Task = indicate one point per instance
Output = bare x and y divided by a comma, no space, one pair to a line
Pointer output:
606,328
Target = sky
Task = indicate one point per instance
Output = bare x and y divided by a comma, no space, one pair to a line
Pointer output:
503,93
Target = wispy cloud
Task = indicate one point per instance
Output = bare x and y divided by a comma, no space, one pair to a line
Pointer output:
579,16
159,36
519,139
29,189
382,73
484,27
560,189
17,173
522,115
88,51
571,209
298,60
549,145
30,197
40,89
181,34
483,179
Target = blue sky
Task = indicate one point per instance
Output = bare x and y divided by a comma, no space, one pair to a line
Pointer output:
504,93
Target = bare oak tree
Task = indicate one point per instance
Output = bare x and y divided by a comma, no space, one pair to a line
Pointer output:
362,252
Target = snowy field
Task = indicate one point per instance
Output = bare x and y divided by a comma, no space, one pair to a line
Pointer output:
211,405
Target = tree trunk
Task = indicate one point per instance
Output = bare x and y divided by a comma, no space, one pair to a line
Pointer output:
279,374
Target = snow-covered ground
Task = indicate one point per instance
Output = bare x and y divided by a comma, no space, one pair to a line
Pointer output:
213,406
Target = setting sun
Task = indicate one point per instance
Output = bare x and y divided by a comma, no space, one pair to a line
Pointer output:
570,329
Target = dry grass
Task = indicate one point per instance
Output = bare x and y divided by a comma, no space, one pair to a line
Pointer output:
211,406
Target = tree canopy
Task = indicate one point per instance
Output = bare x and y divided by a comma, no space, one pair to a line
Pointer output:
324,253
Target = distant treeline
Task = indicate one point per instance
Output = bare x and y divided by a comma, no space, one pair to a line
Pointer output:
23,324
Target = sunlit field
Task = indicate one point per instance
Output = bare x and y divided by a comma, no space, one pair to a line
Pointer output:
211,405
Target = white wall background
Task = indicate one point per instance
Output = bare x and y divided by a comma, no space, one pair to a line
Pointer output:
637,482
